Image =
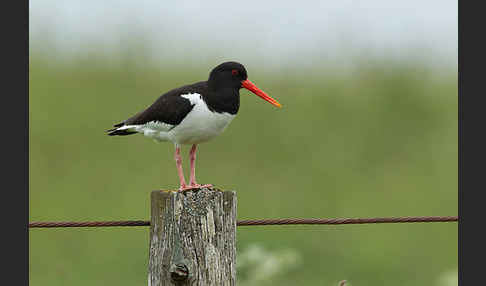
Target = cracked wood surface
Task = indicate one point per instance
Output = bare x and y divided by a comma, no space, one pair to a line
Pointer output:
192,238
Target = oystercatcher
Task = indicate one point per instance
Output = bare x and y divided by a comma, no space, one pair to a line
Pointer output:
193,114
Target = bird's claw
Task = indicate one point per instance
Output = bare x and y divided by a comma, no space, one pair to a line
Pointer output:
194,186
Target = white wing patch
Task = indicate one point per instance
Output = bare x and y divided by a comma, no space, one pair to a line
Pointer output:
194,98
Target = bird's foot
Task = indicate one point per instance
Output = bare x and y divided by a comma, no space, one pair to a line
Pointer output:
193,187
202,186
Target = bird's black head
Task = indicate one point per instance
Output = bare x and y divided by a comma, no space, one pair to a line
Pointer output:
228,74
233,76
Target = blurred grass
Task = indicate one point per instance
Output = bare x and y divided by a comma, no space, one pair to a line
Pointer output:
379,142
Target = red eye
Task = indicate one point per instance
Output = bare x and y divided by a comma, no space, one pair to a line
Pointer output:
234,72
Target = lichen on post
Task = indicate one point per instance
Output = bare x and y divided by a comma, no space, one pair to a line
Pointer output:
192,238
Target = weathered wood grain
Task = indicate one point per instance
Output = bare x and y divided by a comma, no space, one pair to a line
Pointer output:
192,238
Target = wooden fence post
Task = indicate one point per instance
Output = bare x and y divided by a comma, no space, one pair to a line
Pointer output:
192,238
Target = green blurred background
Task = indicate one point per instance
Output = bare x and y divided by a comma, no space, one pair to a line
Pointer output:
378,141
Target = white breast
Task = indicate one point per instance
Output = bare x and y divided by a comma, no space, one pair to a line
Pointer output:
201,124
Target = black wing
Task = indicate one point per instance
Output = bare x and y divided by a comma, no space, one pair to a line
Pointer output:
170,108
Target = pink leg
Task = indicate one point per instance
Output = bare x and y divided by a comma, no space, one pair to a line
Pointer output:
192,157
178,160
192,182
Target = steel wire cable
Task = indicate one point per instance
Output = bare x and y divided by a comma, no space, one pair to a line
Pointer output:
254,222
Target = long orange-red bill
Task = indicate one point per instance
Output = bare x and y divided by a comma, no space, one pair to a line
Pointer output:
253,88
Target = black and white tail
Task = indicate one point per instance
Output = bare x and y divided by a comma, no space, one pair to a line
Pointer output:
118,131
